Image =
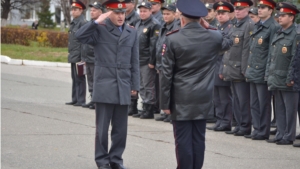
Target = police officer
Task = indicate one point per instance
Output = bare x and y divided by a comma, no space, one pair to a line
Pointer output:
156,12
211,16
253,14
187,82
222,92
148,31
235,64
96,11
260,97
116,78
171,24
281,74
132,17
76,54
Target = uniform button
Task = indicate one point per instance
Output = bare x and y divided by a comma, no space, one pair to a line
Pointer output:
256,66
250,52
224,78
224,65
274,46
248,66
235,65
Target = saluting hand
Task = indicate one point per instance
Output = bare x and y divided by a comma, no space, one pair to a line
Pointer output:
204,23
102,17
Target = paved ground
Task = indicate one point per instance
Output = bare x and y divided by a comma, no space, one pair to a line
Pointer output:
40,132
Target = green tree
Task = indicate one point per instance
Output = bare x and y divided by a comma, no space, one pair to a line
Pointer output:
45,15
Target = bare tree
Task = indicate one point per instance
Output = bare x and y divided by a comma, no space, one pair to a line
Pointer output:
8,5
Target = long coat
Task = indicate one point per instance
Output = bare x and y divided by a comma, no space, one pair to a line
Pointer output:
226,29
235,60
116,61
75,48
281,62
260,43
188,72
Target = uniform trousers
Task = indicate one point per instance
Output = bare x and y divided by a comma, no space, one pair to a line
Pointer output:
260,103
116,115
223,106
241,105
189,143
90,67
286,114
78,86
147,85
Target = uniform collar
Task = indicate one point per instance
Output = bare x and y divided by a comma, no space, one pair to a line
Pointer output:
192,25
222,27
288,30
76,20
267,23
241,22
147,20
131,14
169,26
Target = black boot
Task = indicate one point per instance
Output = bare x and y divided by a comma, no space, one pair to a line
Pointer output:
133,107
87,105
162,117
138,114
168,119
149,114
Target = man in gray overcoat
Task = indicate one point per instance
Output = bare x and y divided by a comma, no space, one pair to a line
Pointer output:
116,79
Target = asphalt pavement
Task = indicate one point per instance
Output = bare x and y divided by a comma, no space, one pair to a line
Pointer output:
38,131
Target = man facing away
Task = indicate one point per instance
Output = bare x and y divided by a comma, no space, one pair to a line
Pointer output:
188,80
116,79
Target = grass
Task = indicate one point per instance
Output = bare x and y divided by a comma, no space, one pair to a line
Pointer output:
35,52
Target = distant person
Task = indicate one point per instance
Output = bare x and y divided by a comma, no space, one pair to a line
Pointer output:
35,24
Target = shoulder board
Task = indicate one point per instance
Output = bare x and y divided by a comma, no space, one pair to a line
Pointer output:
212,28
174,31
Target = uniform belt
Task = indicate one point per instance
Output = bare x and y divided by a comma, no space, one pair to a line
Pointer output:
115,65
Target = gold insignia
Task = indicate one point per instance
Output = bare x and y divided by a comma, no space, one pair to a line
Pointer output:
250,32
281,10
220,3
280,4
95,3
156,32
236,40
238,4
207,5
145,30
221,8
73,4
120,5
260,41
284,49
143,3
74,0
261,2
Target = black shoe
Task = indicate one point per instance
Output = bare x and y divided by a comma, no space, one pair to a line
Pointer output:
106,166
149,112
162,117
284,142
249,136
87,105
273,132
168,119
133,107
272,140
70,103
136,115
77,104
241,133
222,129
259,138
211,120
296,145
232,132
298,137
211,128
92,106
116,166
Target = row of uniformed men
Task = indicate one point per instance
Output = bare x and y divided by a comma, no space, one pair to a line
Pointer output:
262,60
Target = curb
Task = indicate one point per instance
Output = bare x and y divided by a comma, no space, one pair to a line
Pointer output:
8,60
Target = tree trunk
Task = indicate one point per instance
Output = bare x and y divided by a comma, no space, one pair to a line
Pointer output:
5,4
65,6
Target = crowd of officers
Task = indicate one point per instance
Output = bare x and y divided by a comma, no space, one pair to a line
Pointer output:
261,66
